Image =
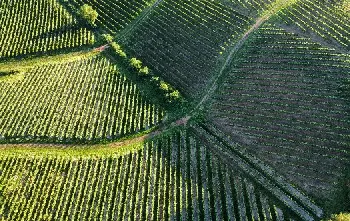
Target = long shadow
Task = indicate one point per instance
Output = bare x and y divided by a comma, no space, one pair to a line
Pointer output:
59,31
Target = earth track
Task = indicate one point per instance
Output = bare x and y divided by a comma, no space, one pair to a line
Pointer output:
228,60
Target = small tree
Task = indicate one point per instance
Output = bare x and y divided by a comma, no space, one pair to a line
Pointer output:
164,86
175,95
136,63
109,38
144,70
88,13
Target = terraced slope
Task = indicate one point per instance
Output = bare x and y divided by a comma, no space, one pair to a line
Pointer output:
181,41
172,177
281,102
86,99
29,27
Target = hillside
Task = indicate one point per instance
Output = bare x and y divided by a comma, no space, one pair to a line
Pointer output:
174,110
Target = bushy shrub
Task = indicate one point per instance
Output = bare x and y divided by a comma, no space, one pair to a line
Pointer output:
164,86
88,13
116,47
175,95
108,38
135,63
144,70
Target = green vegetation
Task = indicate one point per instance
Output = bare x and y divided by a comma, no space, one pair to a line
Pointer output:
174,110
85,99
172,95
38,27
135,63
340,217
88,13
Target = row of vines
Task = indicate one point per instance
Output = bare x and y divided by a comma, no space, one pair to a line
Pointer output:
29,27
281,100
319,19
86,99
182,40
171,178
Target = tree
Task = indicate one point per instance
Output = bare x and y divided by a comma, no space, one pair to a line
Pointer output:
144,70
88,13
175,95
136,63
109,38
164,86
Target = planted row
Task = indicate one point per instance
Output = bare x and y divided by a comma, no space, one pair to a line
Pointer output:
181,41
281,100
82,100
30,27
171,177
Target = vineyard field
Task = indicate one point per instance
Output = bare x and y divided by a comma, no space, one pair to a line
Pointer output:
318,19
31,27
233,110
181,48
80,100
169,177
281,100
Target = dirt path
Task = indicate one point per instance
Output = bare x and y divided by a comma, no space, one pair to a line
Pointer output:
228,60
181,122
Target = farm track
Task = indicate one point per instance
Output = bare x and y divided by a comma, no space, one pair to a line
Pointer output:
117,144
228,60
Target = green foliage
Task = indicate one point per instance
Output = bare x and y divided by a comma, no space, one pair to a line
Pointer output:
164,86
88,13
340,217
108,38
144,70
170,94
116,47
135,63
175,95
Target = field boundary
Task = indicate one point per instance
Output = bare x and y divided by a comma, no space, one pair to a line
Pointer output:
25,64
265,16
127,30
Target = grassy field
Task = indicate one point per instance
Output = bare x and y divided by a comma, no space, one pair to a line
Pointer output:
89,130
